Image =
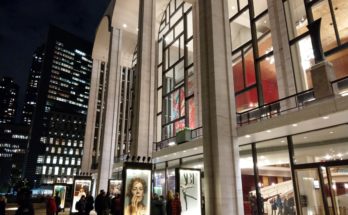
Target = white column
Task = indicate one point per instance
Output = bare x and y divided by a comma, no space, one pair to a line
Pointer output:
91,118
111,109
281,49
223,189
143,124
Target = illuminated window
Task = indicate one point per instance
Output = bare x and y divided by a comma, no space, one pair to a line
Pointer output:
60,160
72,161
56,170
54,160
68,172
44,170
48,159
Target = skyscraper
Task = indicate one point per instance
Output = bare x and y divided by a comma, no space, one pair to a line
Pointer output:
8,100
32,86
58,123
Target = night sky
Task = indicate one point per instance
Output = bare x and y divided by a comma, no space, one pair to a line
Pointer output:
24,25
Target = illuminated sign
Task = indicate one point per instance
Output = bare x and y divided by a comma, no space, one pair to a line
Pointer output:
82,186
137,189
188,184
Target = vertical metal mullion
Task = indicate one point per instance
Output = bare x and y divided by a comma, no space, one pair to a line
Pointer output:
322,185
255,53
244,69
256,178
329,181
334,22
294,178
185,66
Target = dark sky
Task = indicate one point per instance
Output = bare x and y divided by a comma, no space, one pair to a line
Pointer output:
24,24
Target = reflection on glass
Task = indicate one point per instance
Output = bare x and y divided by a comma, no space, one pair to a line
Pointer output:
327,189
240,30
275,176
296,18
321,146
269,80
339,176
310,197
246,101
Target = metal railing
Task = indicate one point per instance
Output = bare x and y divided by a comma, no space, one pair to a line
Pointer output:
276,108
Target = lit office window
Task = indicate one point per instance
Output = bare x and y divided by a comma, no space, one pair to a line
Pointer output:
60,160
56,170
68,172
44,168
54,160
48,159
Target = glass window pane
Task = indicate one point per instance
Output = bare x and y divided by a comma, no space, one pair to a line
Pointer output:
159,182
179,72
269,80
169,81
296,18
168,131
242,3
341,11
189,48
159,123
327,32
274,174
190,85
248,179
159,101
179,125
310,191
174,53
232,8
302,60
192,112
237,68
169,37
160,51
179,28
175,17
189,25
321,146
240,30
264,38
159,76
259,6
247,100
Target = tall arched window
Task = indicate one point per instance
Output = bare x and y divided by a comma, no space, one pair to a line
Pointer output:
175,70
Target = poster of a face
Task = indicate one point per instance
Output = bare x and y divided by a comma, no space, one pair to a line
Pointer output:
137,192
115,187
81,188
60,191
190,191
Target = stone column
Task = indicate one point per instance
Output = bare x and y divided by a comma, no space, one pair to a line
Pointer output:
281,49
109,133
143,124
91,117
222,176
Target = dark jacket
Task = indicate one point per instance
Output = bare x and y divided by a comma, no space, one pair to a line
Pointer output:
157,207
89,203
102,203
169,207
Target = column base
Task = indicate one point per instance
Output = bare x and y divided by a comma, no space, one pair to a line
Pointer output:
322,74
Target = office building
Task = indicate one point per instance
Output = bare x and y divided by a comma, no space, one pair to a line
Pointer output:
58,123
262,98
13,145
32,86
8,100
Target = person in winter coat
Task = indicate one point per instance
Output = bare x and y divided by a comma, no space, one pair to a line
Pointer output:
89,203
116,205
156,206
81,206
51,207
170,198
102,203
2,205
176,205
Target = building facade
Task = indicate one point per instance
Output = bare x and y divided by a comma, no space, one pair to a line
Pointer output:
8,100
58,123
262,96
33,86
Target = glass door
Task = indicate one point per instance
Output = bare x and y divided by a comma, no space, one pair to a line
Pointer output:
310,191
339,185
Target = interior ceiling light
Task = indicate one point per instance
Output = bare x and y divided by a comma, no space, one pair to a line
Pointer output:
326,117
124,25
294,125
331,132
268,131
247,136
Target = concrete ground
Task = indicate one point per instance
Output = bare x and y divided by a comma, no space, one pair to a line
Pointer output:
39,209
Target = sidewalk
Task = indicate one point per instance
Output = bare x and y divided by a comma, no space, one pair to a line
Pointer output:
39,209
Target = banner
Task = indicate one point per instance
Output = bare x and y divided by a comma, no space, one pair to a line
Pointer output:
188,184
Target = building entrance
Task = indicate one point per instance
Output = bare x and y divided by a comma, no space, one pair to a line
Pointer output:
323,188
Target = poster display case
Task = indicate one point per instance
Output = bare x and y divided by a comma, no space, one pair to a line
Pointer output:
114,187
60,190
188,185
82,186
136,190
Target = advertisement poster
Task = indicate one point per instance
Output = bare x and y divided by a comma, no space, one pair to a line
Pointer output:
189,187
60,190
137,191
115,187
82,186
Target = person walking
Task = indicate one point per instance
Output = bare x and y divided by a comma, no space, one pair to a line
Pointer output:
170,198
51,207
279,205
116,205
89,203
81,206
176,205
57,200
25,206
102,203
156,206
2,205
